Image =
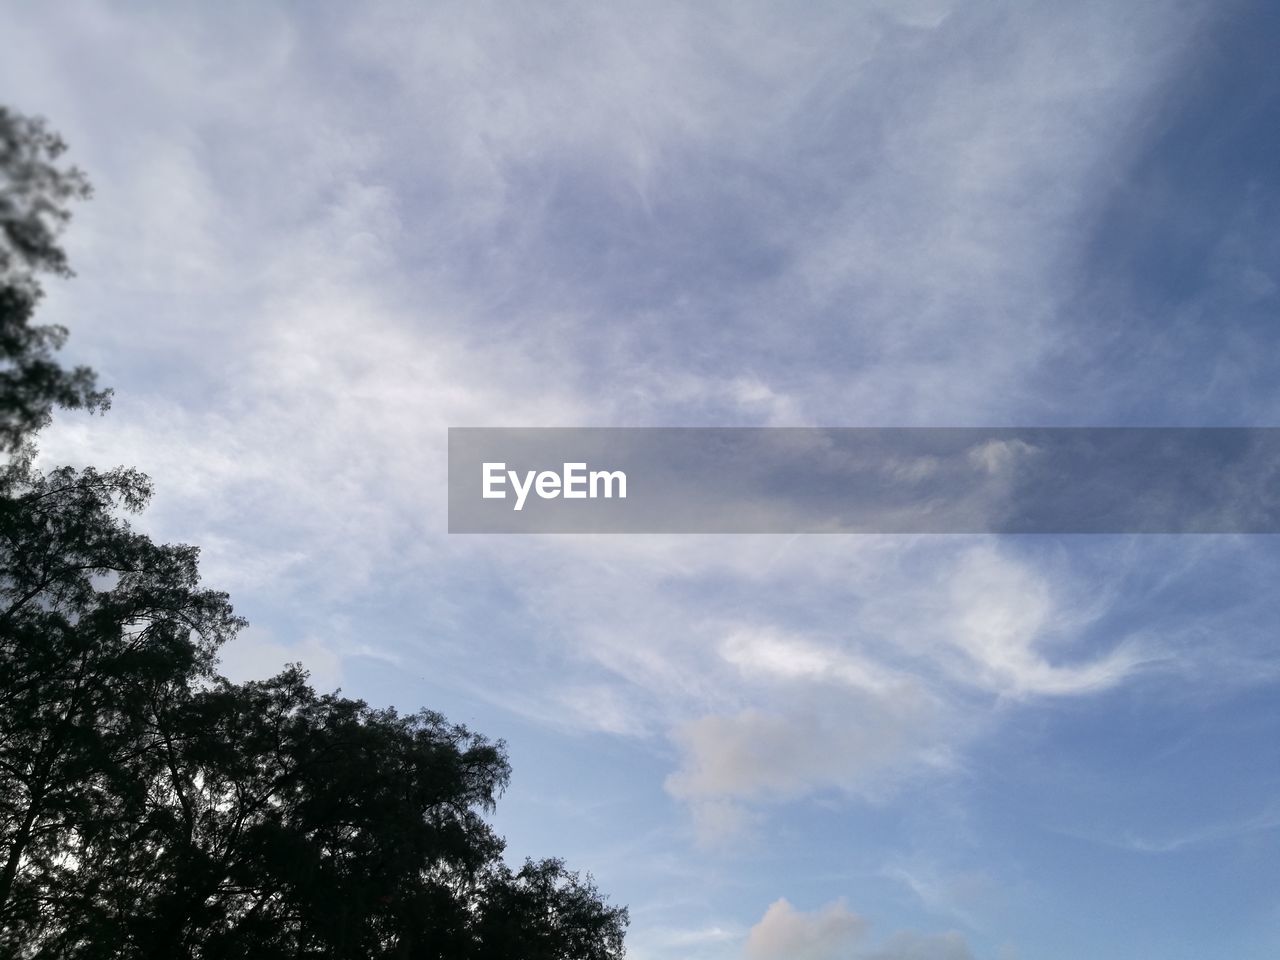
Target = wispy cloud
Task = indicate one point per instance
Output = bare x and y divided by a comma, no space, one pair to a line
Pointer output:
322,236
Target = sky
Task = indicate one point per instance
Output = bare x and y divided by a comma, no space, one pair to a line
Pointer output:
324,233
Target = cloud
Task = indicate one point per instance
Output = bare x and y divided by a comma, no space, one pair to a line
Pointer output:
1000,616
696,937
253,655
785,933
1204,835
320,239
834,932
891,687
756,754
771,655
960,894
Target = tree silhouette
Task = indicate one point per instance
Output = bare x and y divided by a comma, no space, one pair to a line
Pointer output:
35,194
150,808
97,623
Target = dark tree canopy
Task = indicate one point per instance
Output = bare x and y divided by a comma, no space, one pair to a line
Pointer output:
98,626
153,810
35,198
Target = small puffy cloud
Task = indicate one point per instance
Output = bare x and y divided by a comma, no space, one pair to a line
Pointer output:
778,755
835,932
834,721
785,933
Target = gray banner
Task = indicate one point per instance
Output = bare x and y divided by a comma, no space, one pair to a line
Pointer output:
864,480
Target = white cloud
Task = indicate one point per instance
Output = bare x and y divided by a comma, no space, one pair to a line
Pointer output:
1001,614
785,933
910,647
253,655
835,932
317,242
763,755
767,654
697,937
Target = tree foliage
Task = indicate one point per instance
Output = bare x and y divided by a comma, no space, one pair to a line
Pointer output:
35,198
97,624
150,808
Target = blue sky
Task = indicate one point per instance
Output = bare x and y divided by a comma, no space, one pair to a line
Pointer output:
322,234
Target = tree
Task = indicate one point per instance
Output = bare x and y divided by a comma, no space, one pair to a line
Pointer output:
150,808
97,623
35,194
290,824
